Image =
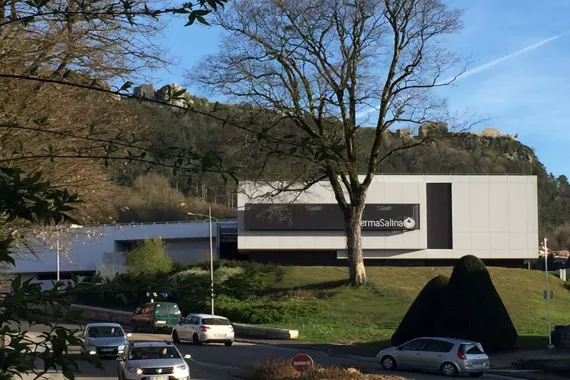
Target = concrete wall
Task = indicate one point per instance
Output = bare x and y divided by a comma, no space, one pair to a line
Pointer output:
92,248
493,216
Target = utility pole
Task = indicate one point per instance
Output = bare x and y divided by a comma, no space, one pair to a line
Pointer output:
211,261
547,292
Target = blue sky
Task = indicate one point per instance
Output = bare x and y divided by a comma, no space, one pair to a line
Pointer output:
518,79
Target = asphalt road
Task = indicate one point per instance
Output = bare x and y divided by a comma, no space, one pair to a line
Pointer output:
217,362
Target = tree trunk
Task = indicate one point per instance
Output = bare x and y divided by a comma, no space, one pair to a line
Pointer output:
353,217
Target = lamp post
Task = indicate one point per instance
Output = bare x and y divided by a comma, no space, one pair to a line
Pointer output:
547,292
209,216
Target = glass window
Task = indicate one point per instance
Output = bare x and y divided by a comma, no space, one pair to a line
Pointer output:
415,345
216,322
472,349
145,353
434,345
104,332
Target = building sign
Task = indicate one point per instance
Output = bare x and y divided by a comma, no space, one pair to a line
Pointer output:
329,217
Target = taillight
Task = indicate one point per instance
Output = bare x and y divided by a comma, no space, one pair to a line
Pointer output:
231,328
461,355
204,328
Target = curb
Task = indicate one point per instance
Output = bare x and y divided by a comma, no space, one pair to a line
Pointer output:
308,346
530,374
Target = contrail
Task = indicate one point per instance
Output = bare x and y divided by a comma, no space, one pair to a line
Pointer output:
488,65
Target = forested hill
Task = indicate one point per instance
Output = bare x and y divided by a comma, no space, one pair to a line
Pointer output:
462,153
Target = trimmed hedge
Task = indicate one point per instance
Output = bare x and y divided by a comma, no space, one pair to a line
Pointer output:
422,316
475,310
467,306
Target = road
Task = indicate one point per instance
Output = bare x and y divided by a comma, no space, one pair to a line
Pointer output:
217,362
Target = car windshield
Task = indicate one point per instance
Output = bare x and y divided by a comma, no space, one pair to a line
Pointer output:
167,309
143,353
105,332
216,321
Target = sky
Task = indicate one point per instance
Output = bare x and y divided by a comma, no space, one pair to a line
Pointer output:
517,80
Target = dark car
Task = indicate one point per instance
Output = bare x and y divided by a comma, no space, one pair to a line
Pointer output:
155,316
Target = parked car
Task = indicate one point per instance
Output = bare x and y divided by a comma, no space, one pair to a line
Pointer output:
445,355
152,361
204,328
155,316
104,339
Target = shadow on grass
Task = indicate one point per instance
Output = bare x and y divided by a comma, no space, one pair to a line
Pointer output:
321,289
526,342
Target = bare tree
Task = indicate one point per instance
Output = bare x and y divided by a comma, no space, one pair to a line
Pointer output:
321,66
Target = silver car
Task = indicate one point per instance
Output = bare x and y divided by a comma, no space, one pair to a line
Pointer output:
445,355
104,339
152,361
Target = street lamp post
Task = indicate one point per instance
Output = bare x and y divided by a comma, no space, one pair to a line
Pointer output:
547,291
209,216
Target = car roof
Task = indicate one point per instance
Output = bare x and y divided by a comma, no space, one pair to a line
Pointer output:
103,324
450,340
205,316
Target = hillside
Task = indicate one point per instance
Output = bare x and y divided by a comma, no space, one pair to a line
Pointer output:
454,153
371,316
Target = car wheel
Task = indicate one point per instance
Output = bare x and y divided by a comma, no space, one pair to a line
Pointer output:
229,344
175,338
388,363
196,340
477,374
449,369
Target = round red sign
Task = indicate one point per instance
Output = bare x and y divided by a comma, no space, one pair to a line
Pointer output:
302,362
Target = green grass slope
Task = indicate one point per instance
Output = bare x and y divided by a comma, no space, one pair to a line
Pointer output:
370,315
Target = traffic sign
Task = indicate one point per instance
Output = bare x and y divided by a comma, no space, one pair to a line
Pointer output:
302,362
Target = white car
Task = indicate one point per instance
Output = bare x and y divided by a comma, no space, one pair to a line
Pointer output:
152,361
104,339
204,328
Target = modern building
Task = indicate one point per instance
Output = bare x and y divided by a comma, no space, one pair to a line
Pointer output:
86,250
408,219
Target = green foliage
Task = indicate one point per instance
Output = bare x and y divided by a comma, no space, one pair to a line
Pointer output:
422,316
474,310
30,199
148,257
262,311
467,306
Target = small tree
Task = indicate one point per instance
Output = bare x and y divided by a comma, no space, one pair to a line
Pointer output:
148,257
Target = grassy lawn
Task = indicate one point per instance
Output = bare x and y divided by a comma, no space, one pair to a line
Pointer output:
370,315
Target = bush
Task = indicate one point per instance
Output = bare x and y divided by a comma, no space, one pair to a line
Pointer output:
260,311
422,316
148,257
252,279
191,290
468,307
281,370
474,310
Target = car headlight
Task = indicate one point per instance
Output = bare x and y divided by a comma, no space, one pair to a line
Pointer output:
138,371
182,367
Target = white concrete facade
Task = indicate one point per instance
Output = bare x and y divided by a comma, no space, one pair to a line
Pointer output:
102,248
493,217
